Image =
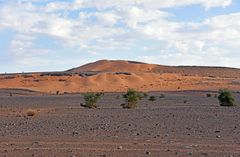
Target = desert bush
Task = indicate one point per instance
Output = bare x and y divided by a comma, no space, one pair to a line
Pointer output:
208,95
131,97
162,96
226,98
185,101
91,99
31,112
152,98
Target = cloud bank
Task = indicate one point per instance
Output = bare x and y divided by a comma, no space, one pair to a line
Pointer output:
46,31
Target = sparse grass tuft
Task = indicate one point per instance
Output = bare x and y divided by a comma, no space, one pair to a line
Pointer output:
226,98
131,97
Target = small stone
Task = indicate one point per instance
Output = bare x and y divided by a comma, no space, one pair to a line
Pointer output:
120,147
218,136
148,153
190,153
74,133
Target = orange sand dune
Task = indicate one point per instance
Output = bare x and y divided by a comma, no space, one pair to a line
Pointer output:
117,76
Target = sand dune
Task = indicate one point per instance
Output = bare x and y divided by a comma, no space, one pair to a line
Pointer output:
117,76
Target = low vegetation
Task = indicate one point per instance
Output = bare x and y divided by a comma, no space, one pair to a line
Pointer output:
91,99
226,98
152,98
131,98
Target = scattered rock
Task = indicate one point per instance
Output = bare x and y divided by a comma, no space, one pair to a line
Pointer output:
204,154
187,147
120,147
74,133
35,143
190,153
148,153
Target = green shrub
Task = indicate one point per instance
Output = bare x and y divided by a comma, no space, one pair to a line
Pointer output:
91,99
131,97
226,98
152,98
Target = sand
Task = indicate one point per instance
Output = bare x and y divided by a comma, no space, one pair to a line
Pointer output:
118,76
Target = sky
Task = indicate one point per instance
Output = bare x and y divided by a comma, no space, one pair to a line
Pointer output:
55,35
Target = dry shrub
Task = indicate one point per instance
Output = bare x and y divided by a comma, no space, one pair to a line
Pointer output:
31,112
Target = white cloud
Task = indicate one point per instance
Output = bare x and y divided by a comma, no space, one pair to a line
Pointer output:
115,24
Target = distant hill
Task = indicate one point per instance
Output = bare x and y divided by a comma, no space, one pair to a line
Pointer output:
139,67
119,75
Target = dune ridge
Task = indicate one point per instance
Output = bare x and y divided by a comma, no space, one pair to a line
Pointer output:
118,75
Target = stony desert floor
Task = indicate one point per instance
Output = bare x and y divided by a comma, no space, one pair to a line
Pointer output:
184,123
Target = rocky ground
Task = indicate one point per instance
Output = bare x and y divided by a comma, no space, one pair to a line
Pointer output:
181,124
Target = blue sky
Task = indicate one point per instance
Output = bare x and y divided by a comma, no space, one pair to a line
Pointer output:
52,35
